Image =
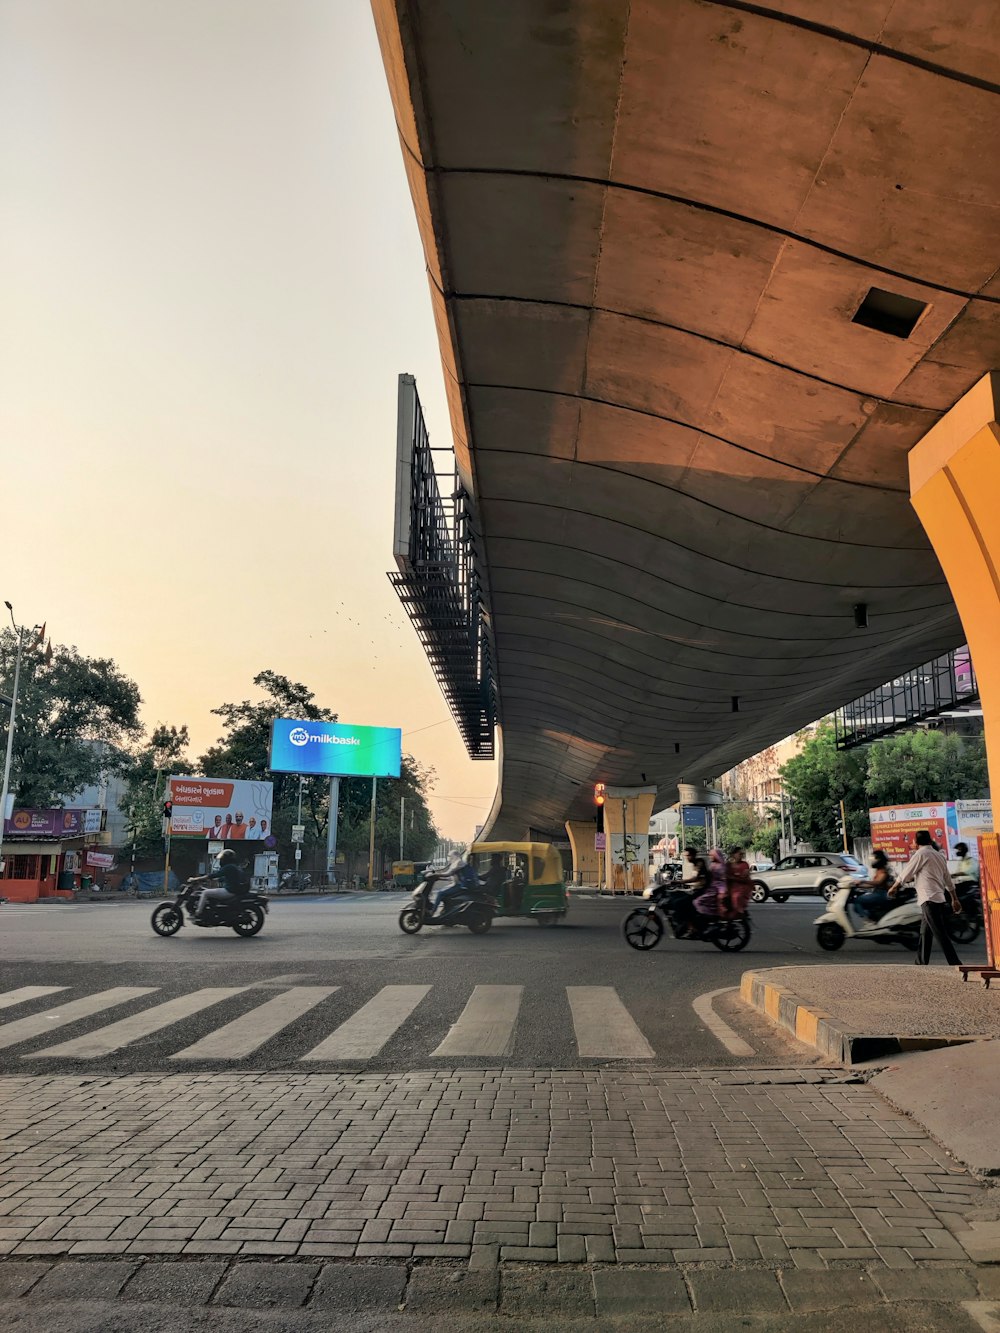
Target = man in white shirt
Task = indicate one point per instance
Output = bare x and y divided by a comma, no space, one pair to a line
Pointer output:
929,871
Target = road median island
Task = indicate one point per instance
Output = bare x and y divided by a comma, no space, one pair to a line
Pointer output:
857,1012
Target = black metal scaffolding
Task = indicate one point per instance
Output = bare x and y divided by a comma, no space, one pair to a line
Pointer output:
437,578
946,685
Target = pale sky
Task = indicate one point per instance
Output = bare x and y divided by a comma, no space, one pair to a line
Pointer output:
210,278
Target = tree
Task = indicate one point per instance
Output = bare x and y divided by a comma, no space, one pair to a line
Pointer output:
818,779
150,764
737,823
413,785
919,766
243,752
75,718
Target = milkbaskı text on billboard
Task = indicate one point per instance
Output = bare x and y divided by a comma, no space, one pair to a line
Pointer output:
335,749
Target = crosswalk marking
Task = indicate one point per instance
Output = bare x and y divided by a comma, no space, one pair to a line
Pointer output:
245,1034
25,993
603,1026
366,1032
112,1038
486,1024
26,1028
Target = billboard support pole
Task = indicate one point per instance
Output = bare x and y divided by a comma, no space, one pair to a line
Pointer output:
166,862
371,840
331,826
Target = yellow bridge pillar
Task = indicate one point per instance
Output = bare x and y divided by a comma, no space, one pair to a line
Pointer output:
955,489
586,858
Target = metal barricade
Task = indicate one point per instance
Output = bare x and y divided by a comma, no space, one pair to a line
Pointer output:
989,888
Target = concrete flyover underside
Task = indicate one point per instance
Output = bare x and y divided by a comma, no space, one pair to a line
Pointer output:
648,227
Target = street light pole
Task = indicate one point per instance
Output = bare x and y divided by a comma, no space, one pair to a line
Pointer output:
5,789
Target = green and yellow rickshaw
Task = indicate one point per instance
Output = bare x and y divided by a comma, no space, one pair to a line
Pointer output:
526,878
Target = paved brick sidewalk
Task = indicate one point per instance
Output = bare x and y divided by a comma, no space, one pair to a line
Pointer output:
478,1165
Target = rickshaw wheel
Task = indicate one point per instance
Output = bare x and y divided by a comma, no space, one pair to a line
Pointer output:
547,918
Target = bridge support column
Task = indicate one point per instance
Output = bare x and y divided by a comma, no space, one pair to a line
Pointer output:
586,860
627,813
955,489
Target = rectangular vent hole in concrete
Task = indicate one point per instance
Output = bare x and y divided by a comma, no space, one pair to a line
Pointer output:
888,312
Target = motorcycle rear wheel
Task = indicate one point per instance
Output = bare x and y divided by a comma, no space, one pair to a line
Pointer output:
963,929
249,922
732,936
410,920
166,919
480,924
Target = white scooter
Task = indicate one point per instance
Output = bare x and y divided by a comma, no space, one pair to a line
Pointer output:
900,925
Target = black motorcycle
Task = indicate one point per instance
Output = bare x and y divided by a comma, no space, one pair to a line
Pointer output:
473,908
644,927
245,915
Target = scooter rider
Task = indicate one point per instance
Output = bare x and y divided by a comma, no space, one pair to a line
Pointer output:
463,879
875,903
232,883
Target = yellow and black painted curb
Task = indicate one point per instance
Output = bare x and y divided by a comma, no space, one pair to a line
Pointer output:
818,1029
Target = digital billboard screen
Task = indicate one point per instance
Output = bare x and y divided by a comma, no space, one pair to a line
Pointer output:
335,749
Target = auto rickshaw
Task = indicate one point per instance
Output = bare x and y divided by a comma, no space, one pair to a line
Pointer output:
526,878
404,874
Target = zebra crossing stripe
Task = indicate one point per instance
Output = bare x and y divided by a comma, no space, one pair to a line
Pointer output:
26,1028
486,1024
365,1033
604,1027
245,1034
112,1038
25,993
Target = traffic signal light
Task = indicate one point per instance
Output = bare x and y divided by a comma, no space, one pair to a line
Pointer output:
599,802
168,809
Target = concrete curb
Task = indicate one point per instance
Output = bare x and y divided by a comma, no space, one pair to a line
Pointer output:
825,1034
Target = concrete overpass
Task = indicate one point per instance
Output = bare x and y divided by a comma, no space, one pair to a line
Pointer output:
704,273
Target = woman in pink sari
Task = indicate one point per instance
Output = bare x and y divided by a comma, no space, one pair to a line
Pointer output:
710,903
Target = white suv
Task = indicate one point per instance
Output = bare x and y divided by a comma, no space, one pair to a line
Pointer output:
805,872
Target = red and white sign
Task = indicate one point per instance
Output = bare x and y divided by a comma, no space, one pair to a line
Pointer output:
105,860
223,809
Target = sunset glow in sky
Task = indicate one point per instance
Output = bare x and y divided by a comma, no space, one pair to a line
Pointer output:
212,278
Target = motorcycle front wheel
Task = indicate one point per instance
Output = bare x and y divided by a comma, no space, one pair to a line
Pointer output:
642,929
830,936
167,919
410,920
249,922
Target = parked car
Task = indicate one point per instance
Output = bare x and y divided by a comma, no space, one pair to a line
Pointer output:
761,863
805,872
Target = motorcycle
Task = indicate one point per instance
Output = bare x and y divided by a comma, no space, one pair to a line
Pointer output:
245,915
473,906
294,882
645,927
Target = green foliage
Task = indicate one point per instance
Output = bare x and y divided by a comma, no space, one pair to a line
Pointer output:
915,767
242,752
737,823
149,766
695,837
912,767
67,705
767,839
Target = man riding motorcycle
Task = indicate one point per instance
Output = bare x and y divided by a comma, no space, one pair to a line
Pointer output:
233,887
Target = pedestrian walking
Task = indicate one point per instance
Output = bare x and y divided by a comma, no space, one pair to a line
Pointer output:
929,871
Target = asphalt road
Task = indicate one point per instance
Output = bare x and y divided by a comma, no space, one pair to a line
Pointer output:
569,996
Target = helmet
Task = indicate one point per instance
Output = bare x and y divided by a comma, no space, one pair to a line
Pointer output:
227,856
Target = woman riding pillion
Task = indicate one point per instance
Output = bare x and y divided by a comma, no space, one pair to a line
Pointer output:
876,902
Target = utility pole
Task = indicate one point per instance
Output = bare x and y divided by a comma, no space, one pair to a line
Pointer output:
371,839
11,724
331,827
843,824
402,806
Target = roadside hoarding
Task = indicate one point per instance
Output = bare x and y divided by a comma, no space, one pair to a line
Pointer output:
335,749
221,809
893,826
49,823
104,860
